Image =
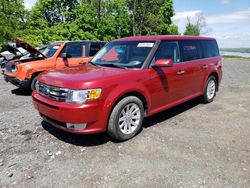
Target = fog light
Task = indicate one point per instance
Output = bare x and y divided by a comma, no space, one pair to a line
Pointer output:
76,126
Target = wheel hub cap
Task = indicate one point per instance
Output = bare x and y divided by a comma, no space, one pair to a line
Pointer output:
129,118
211,88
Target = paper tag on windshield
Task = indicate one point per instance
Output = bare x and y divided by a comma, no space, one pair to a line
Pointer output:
145,45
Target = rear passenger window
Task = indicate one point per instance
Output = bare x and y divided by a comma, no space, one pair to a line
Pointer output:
210,48
191,50
94,48
168,50
74,50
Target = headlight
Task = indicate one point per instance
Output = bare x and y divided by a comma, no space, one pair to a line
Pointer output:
81,96
14,68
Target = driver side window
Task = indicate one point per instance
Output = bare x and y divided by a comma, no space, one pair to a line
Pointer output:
168,50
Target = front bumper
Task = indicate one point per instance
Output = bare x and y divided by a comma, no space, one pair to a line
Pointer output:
59,113
25,84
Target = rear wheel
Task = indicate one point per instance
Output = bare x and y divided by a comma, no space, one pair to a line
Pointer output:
126,118
210,90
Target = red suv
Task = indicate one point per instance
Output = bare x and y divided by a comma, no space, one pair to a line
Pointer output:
129,79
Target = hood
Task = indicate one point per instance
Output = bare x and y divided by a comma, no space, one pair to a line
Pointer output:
79,77
27,47
14,50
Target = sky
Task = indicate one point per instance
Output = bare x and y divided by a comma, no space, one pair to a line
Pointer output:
227,20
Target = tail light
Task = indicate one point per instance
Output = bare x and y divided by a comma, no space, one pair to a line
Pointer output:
219,63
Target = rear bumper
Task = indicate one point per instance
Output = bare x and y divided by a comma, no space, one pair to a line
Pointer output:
25,84
59,113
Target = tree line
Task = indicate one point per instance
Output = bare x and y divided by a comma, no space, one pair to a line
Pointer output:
55,20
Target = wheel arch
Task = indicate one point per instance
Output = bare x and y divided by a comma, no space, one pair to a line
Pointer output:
215,74
34,74
137,94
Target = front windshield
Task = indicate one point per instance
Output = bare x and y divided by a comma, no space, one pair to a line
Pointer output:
51,50
124,54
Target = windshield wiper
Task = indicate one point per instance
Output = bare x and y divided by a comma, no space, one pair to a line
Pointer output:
112,65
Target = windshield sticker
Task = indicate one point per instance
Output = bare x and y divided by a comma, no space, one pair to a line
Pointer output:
55,47
145,45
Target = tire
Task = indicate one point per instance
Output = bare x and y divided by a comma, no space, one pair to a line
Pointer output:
33,83
126,118
210,90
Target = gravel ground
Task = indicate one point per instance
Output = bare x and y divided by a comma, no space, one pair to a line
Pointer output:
191,145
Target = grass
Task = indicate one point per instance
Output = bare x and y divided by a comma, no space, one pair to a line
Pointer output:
235,57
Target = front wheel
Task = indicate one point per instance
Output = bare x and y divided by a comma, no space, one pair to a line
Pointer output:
126,118
210,90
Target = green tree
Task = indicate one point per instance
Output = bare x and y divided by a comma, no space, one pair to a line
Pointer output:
191,29
52,12
53,20
115,22
151,17
12,17
196,26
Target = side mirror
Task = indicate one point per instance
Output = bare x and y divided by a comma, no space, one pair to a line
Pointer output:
65,56
164,63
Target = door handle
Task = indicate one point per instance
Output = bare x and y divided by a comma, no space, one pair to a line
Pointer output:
205,66
81,63
181,72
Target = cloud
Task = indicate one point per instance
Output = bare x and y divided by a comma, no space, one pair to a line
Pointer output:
225,1
180,18
234,17
236,40
185,14
231,29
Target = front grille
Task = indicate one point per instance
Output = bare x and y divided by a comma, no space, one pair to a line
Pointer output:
51,92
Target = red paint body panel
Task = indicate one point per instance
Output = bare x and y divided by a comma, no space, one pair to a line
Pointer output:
161,88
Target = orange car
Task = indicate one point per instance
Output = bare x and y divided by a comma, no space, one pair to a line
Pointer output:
23,73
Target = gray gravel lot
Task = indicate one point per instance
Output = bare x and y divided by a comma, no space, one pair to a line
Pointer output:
191,145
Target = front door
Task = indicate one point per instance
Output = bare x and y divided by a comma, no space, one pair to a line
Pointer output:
170,84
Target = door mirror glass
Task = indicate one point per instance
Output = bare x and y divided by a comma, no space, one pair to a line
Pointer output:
164,63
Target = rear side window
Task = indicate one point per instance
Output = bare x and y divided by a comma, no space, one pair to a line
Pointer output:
94,48
75,50
191,50
210,48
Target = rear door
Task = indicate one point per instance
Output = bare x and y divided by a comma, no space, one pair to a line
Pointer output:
76,53
192,58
